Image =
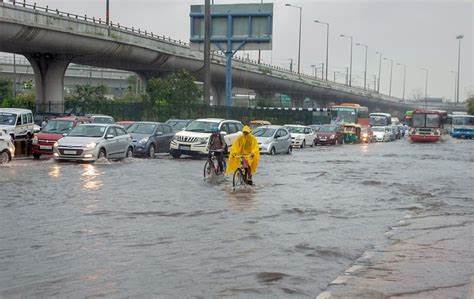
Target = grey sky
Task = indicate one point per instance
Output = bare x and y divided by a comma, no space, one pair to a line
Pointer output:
415,33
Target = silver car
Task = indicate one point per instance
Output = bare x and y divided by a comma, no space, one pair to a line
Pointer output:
273,139
90,142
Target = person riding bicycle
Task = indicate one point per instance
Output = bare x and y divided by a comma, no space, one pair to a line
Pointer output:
218,147
245,145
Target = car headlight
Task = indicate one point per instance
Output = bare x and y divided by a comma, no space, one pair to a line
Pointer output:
91,145
143,140
35,140
175,138
55,145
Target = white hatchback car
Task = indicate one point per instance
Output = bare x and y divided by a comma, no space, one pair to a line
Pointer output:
194,139
90,142
301,136
7,149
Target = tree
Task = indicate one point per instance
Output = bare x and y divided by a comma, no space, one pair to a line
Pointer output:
6,89
88,93
174,95
470,104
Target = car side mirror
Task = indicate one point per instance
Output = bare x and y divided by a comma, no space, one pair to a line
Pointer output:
109,136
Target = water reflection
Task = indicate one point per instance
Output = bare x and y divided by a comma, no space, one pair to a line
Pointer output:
89,176
242,199
55,171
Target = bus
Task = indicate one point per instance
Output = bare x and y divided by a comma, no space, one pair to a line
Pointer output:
350,113
380,119
408,118
427,125
462,126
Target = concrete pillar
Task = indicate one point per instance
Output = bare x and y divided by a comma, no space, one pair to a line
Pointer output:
49,72
218,94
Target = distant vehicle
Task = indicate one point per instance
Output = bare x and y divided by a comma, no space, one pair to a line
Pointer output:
428,125
7,149
329,135
125,123
101,119
194,139
352,133
54,130
178,124
462,126
379,119
382,134
350,113
367,135
149,138
259,123
273,139
316,128
301,136
18,123
90,142
397,133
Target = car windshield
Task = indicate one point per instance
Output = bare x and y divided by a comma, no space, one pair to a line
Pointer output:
58,126
142,128
126,125
328,129
202,126
378,129
8,119
264,132
102,120
88,131
346,115
296,130
177,125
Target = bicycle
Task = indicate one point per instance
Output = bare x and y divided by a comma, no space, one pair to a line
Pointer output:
211,167
241,174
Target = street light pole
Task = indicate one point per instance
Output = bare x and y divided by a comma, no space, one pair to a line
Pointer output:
426,85
380,71
291,64
327,45
455,85
350,63
404,78
107,14
459,38
299,40
207,52
391,73
365,71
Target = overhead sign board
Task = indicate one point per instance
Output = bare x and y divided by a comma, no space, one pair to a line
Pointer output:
234,26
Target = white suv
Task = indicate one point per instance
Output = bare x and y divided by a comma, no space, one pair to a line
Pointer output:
194,140
18,123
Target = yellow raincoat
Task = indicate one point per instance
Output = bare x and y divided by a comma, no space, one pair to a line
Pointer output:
244,145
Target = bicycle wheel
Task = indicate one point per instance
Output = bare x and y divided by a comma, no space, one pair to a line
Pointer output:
208,169
238,179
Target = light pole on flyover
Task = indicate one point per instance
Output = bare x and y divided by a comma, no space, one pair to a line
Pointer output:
391,73
299,40
426,84
365,71
350,63
404,78
327,45
380,70
459,38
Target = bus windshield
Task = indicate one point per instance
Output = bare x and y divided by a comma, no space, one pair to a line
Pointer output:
422,120
345,115
463,121
379,120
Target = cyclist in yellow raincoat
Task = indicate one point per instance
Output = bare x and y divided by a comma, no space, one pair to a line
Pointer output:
247,145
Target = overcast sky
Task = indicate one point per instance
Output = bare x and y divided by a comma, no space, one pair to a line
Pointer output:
416,33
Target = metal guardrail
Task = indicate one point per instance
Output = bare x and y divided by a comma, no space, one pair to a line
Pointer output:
167,39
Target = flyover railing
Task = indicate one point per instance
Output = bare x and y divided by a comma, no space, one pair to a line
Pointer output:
149,34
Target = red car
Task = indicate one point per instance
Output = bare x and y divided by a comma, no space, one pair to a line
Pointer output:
329,135
54,130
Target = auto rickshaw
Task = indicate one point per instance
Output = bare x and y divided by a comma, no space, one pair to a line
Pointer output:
259,123
352,133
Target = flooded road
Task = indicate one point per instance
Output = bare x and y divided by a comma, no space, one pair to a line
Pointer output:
153,228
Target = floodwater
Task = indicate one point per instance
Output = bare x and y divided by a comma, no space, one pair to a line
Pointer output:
154,228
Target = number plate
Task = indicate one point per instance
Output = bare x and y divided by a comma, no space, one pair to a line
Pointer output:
46,147
70,152
185,147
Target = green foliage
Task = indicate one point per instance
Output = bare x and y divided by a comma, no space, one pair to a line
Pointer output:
87,94
173,94
470,103
6,89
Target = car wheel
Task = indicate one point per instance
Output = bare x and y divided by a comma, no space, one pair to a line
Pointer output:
102,154
303,145
290,149
176,155
36,156
4,157
129,153
313,143
151,151
272,151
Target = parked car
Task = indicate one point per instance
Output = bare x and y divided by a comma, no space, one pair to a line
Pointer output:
101,119
178,124
273,139
18,123
90,142
301,136
382,134
194,139
329,135
7,149
149,138
125,123
54,130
